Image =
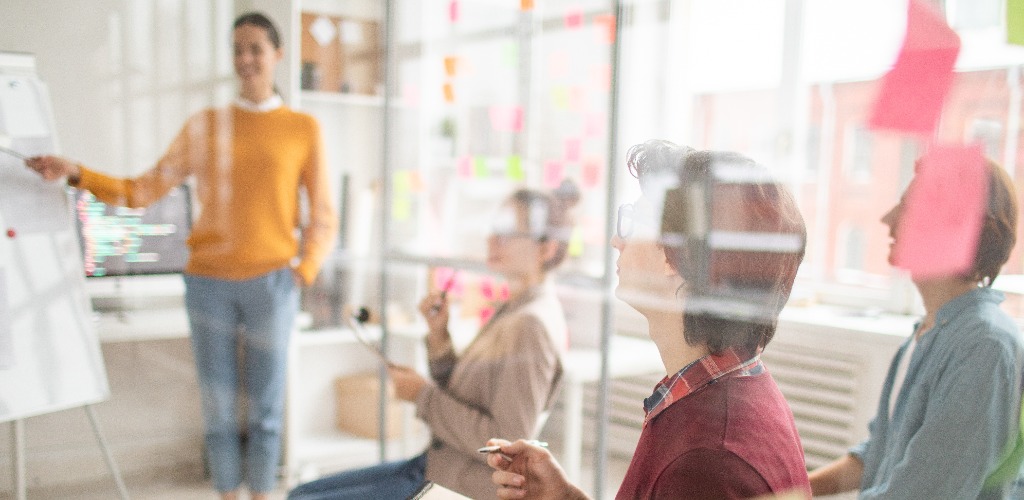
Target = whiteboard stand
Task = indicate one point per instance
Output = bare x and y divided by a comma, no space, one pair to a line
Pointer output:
20,482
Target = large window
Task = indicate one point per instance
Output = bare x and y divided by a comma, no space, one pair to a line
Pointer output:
793,91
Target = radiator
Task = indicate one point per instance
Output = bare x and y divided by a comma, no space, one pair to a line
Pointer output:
831,377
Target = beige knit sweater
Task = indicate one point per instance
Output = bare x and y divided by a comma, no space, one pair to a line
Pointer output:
500,386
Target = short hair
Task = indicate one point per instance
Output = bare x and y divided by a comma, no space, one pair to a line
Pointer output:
999,227
557,219
260,20
766,206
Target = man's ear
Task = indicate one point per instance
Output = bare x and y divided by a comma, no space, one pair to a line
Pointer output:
548,250
669,268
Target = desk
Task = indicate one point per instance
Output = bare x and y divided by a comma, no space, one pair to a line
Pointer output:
627,357
142,324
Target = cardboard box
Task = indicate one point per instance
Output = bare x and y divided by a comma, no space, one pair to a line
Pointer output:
356,406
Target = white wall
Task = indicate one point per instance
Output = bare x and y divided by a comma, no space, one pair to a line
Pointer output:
124,75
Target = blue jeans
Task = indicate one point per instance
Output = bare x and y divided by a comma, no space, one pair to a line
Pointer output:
388,481
259,313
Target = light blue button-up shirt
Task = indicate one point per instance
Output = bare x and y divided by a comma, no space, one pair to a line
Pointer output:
956,411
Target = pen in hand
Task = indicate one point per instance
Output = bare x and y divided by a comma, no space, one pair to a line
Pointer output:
497,448
13,153
434,309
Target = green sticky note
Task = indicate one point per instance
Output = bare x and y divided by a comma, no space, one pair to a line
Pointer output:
479,167
510,54
560,97
1015,21
576,242
515,168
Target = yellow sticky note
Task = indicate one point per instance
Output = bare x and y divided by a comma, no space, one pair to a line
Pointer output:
526,4
449,93
401,208
576,242
401,182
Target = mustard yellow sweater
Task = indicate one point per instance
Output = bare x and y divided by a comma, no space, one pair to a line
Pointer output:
249,168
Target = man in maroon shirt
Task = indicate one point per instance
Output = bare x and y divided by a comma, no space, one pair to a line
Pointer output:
708,255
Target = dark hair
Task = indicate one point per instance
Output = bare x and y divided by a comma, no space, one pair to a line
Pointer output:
259,20
999,228
734,296
557,221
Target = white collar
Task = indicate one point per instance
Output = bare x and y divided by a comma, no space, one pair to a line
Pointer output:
269,104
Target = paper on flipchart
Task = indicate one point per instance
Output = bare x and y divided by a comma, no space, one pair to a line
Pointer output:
21,112
28,204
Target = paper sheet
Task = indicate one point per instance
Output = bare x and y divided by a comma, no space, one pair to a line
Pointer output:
351,32
22,112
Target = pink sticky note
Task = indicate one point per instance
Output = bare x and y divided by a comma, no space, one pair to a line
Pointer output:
573,18
942,212
577,98
594,124
443,276
464,167
591,174
912,93
453,10
554,171
572,149
411,95
606,27
487,288
485,315
506,118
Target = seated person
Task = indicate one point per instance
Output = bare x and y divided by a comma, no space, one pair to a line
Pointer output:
505,380
716,426
952,398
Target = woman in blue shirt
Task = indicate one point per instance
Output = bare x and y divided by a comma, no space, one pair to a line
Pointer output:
951,401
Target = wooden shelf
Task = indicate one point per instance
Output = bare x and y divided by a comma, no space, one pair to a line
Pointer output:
319,97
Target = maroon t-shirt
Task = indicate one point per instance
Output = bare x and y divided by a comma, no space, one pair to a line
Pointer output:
735,438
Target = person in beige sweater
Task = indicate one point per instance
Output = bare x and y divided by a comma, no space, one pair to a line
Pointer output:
502,384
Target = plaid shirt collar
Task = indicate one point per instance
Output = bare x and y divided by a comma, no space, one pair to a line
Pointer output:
699,374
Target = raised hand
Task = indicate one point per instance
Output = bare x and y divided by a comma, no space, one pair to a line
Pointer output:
52,168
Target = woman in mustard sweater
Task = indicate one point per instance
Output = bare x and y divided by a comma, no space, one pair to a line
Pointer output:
247,253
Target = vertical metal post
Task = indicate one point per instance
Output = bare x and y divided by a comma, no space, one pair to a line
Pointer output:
385,220
607,313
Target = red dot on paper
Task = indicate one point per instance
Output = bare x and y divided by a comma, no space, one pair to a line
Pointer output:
10,233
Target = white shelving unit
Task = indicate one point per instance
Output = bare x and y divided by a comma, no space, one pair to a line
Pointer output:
313,445
434,135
